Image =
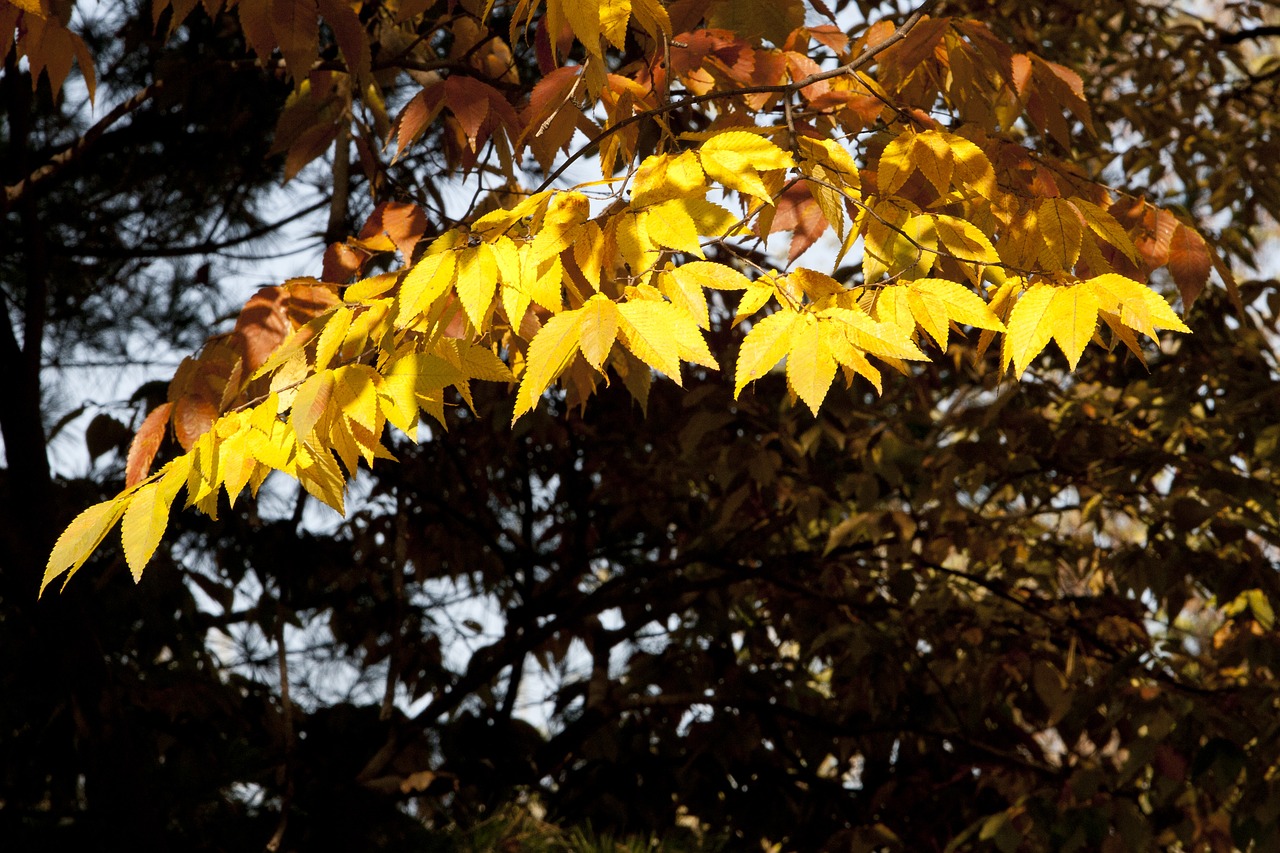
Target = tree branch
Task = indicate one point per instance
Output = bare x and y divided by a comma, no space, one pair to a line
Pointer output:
1239,36
787,90
73,152
208,247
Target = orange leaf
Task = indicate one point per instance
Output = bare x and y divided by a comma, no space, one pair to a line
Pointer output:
142,450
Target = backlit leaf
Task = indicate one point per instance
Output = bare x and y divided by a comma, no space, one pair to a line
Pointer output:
550,352
1074,316
765,345
600,319
1030,327
82,537
147,516
810,364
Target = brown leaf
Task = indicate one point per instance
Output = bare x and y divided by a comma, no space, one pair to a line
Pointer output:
1189,263
145,444
192,418
350,35
294,25
343,263
104,434
401,223
261,327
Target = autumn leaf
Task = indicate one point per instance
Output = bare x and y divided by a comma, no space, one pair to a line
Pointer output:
1030,327
765,345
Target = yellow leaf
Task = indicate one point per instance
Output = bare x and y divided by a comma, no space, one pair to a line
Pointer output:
355,394
613,21
588,253
475,361
550,352
82,536
332,336
1030,327
311,404
686,293
1060,227
833,156
148,515
652,17
542,279
711,275
235,463
932,154
662,177
816,285
600,319
823,189
1139,306
477,282
888,246
756,297
711,219
319,475
638,252
848,356
1074,315
409,378
744,150
500,220
893,307
370,288
735,158
273,446
963,239
931,313
764,346
1102,223
883,340
507,256
565,212
670,225
810,364
648,330
896,164
424,284
972,168
960,303
584,20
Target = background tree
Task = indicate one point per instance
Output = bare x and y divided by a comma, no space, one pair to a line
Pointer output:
1042,611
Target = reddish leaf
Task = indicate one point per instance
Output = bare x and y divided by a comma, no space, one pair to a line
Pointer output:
417,116
801,215
471,102
142,450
